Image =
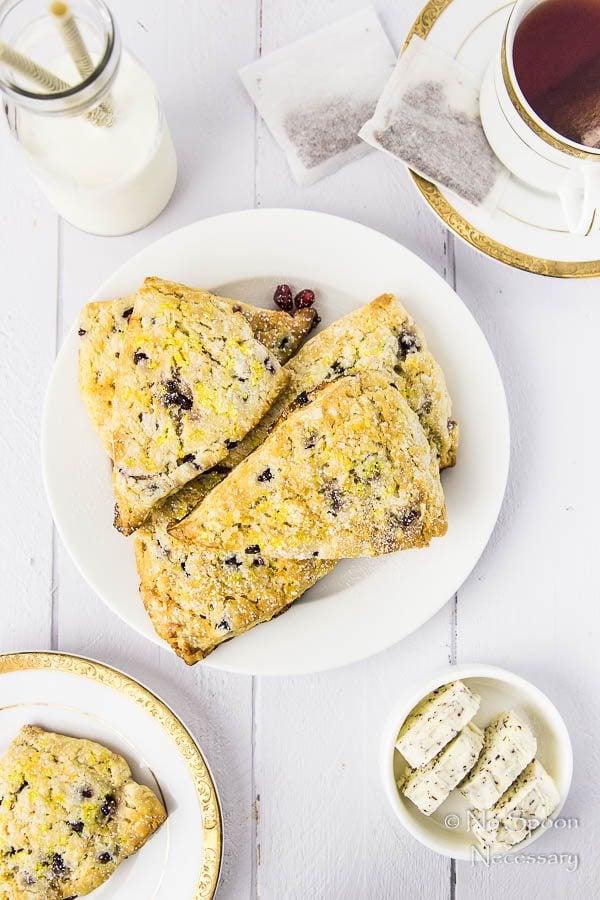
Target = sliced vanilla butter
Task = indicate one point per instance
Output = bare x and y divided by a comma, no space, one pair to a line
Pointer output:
522,809
430,785
509,746
435,721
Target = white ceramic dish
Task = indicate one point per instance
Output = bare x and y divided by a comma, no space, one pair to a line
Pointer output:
83,698
245,255
528,229
446,830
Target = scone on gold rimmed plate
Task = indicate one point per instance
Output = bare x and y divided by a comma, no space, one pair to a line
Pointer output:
245,255
148,794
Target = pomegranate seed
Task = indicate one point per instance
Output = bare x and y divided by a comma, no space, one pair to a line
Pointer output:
283,297
304,299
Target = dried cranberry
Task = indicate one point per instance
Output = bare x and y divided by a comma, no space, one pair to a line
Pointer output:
410,516
283,297
58,865
304,299
109,807
177,394
408,343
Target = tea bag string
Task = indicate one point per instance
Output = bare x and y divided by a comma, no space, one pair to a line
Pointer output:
103,114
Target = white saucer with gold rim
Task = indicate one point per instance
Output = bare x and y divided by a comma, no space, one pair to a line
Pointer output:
528,228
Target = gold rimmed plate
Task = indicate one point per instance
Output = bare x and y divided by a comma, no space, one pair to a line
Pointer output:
87,699
527,230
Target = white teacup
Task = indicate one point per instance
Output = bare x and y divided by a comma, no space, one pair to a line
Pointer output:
528,147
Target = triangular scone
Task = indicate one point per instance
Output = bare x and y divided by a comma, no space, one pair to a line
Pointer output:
103,323
348,474
192,380
280,332
70,814
101,329
381,337
198,598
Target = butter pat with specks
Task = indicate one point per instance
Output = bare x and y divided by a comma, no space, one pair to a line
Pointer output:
430,785
531,799
509,746
435,721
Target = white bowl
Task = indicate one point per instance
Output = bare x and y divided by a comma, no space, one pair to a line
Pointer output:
446,830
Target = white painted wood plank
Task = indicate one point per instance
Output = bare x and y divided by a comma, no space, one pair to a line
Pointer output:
532,604
27,342
324,830
213,130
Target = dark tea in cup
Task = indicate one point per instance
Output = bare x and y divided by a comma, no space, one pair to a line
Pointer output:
556,56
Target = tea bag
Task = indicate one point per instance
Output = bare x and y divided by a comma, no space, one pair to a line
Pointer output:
428,116
316,93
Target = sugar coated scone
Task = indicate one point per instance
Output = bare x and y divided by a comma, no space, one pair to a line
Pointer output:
345,474
192,380
280,332
525,805
70,813
428,786
102,326
381,337
435,721
198,599
101,329
509,746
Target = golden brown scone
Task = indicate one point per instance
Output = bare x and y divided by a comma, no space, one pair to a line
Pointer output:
70,814
101,329
380,337
198,599
191,381
348,474
103,323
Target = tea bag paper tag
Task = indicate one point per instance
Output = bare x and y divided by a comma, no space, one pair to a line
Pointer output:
316,93
428,116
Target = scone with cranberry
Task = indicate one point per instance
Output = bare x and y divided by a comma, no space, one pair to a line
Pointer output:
378,337
192,380
196,598
70,813
102,326
347,472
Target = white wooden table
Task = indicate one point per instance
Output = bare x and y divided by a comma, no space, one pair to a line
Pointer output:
296,759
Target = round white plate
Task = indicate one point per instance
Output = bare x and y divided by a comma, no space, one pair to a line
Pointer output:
528,229
86,699
447,830
363,606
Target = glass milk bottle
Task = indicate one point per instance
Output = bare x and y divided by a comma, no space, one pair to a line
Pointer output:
85,114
